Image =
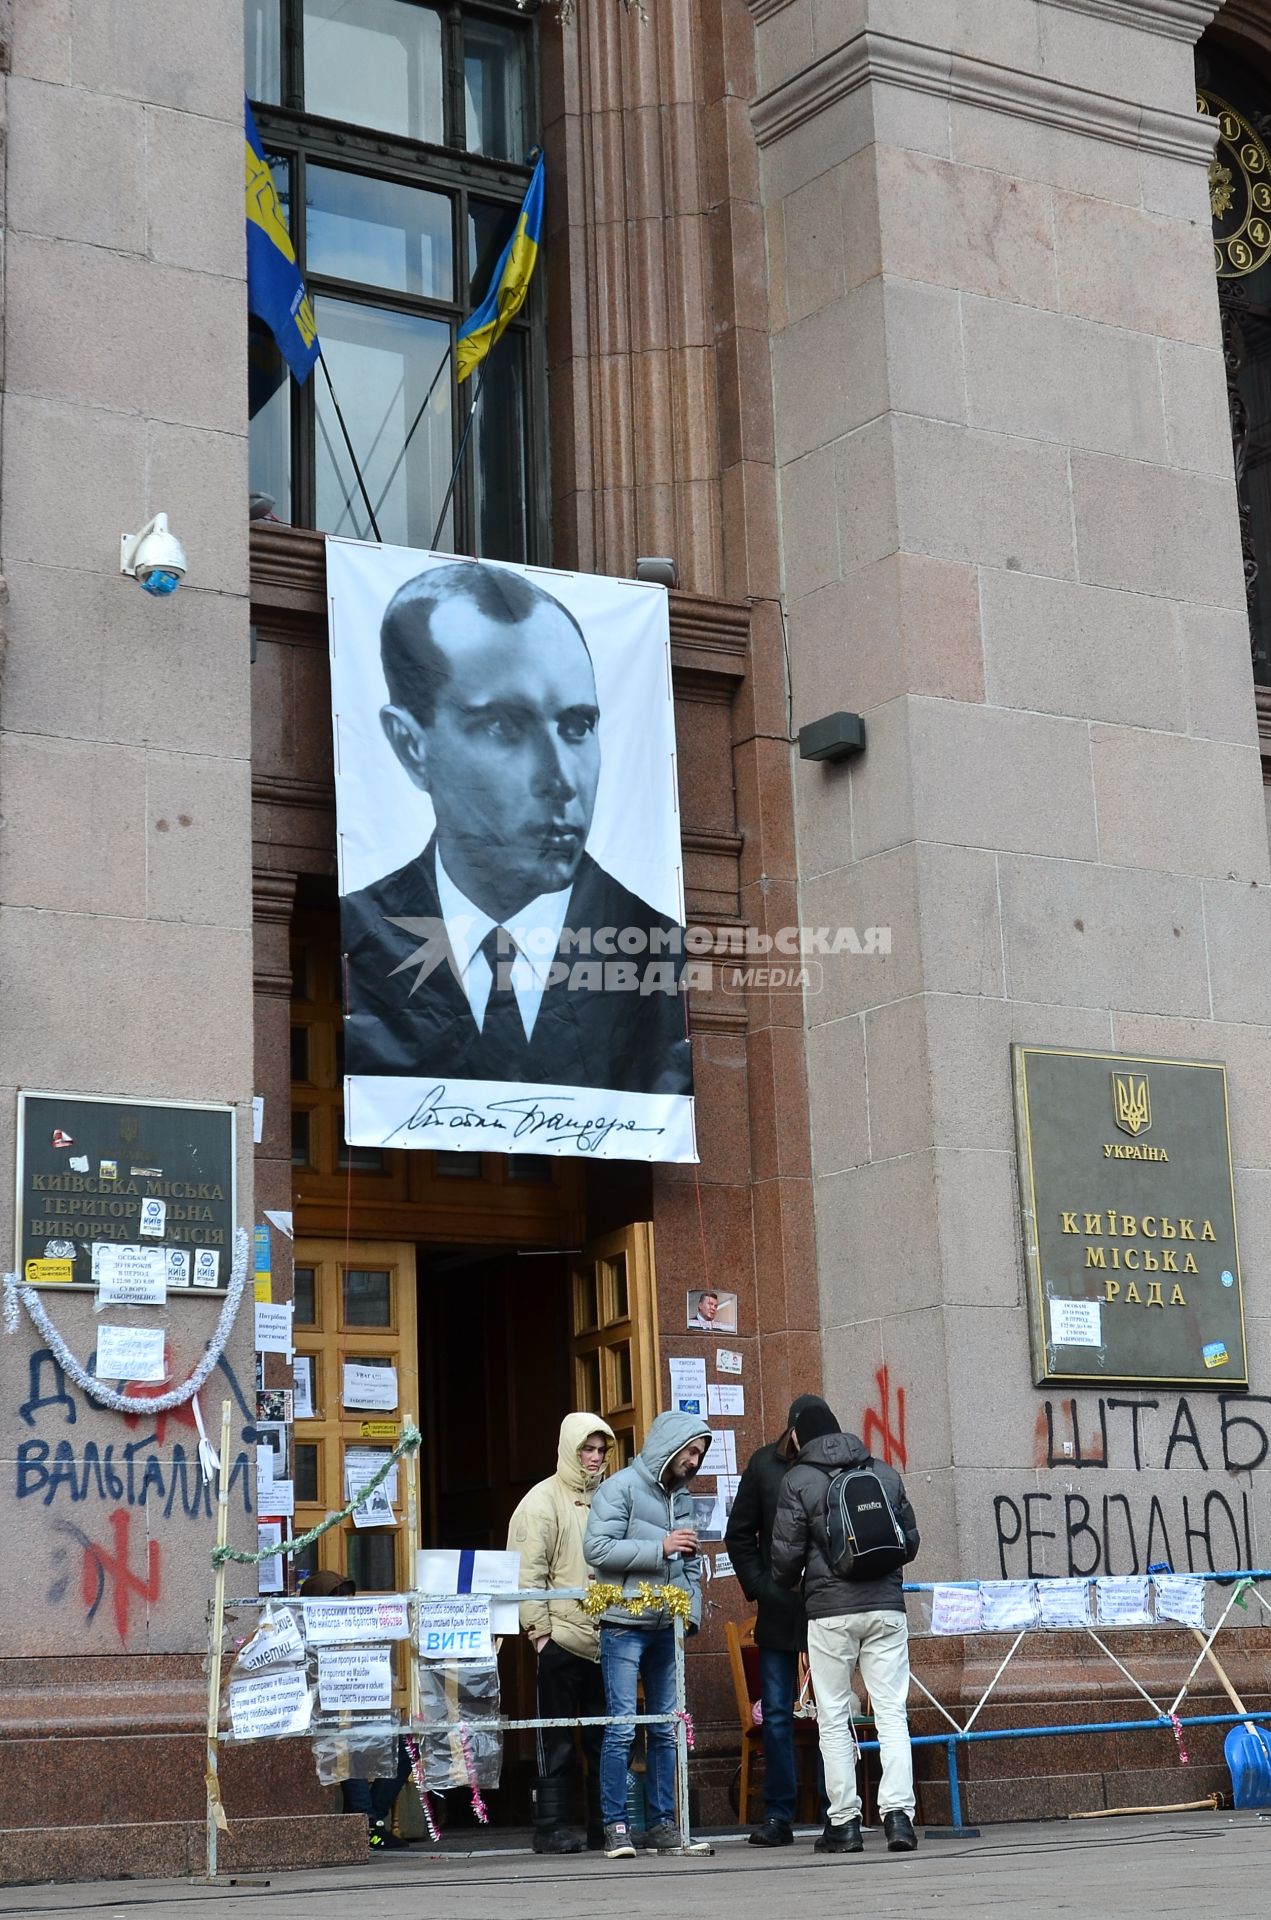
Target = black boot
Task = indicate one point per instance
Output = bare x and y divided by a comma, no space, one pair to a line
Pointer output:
899,1829
551,1811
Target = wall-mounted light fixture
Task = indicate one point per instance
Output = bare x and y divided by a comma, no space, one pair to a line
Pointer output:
837,737
657,572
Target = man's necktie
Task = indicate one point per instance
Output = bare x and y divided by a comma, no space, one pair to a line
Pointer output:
502,1031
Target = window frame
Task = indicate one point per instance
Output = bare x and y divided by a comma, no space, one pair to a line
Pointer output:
305,138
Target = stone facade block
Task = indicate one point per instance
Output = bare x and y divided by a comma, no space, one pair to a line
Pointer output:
969,1054
960,927
899,1084
174,53
1135,269
1214,646
198,840
1238,925
891,1205
983,497
980,1244
1179,805
1103,937
1194,386
193,193
965,227
75,469
1062,648
876,893
923,347
76,167
72,839
829,372
1156,530
986,777
836,1095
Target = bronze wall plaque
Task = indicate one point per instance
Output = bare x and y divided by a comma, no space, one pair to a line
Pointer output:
142,1173
1129,1219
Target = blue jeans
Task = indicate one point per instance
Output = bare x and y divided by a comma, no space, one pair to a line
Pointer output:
626,1655
778,1675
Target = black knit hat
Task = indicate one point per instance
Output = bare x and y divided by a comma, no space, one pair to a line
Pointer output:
797,1407
814,1422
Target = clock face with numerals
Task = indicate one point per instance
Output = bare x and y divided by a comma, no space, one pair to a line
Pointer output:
1239,191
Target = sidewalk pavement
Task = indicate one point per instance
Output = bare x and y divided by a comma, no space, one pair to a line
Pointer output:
1157,1867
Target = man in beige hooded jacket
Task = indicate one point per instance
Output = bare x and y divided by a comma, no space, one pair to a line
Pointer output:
547,1531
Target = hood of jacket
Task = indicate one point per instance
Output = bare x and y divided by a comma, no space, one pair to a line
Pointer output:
832,1452
574,1429
785,1448
669,1432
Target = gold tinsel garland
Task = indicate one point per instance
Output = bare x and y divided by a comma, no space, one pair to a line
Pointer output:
604,1594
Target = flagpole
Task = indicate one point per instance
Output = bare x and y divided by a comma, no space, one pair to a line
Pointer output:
349,444
445,361
463,443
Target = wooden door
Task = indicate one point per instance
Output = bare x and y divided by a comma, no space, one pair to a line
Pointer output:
614,1334
354,1303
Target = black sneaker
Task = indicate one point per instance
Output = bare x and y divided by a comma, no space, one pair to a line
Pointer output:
899,1829
844,1839
383,1839
618,1841
773,1833
666,1839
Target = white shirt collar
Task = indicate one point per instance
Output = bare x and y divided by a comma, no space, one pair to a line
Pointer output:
536,927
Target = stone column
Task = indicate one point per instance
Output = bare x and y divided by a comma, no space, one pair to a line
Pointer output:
1009,539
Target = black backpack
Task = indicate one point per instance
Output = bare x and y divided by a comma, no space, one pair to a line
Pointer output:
865,1537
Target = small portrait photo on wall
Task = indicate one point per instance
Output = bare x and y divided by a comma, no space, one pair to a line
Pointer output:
711,1311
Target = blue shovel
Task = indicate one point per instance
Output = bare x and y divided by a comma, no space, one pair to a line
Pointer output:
1247,1748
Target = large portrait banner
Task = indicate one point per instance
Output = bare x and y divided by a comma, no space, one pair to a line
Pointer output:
511,886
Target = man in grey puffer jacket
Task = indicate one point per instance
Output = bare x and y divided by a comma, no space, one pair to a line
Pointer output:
641,1529
849,1621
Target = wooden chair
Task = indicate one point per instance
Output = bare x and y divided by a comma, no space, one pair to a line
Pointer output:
743,1659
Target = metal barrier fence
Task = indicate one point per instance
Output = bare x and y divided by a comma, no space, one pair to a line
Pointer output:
677,1718
1241,1580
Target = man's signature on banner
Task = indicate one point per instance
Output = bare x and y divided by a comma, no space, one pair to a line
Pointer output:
523,1119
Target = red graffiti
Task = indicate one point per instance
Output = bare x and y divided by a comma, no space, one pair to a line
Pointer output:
882,1439
151,1390
101,1567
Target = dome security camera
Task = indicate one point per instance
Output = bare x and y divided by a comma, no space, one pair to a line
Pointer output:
154,558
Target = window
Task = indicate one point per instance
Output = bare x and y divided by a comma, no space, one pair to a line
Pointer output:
1240,202
398,132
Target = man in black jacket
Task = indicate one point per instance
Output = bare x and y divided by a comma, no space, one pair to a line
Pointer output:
849,1621
781,1624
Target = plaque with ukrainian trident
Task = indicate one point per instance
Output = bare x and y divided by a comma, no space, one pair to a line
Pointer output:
1129,1218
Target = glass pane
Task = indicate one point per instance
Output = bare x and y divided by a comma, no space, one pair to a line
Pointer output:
588,1375
368,1299
371,1559
494,89
300,1140
457,1166
305,1299
383,365
376,64
262,67
306,1470
301,984
300,1053
533,1168
616,1306
586,1301
305,1562
361,1159
502,491
379,232
620,1359
489,229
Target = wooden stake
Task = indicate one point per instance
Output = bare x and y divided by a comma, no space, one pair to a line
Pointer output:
216,1821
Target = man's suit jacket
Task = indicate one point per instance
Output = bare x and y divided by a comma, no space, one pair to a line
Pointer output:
584,1037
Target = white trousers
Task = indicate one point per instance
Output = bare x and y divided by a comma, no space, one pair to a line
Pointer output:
879,1643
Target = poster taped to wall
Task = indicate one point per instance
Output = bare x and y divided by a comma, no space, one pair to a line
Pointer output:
512,904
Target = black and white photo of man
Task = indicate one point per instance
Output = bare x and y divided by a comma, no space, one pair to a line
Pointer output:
503,950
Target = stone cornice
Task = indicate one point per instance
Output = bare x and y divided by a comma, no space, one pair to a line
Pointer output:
1171,19
880,58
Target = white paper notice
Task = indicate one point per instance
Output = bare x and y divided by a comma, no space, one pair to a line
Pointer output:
1180,1596
258,1118
487,1570
956,1610
726,1361
1075,1323
277,1642
377,1509
154,1214
729,1401
455,1626
264,1478
1008,1605
723,1565
688,1386
273,1327
339,1623
178,1260
129,1276
373,1387
302,1403
207,1267
283,1222
355,1679
722,1454
1123,1602
1064,1603
279,1499
269,1573
364,1463
264,1705
131,1353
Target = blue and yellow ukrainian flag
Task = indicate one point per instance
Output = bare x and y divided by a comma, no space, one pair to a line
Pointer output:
509,283
275,291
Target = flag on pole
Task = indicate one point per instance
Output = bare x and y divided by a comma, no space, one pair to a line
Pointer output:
509,283
275,291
